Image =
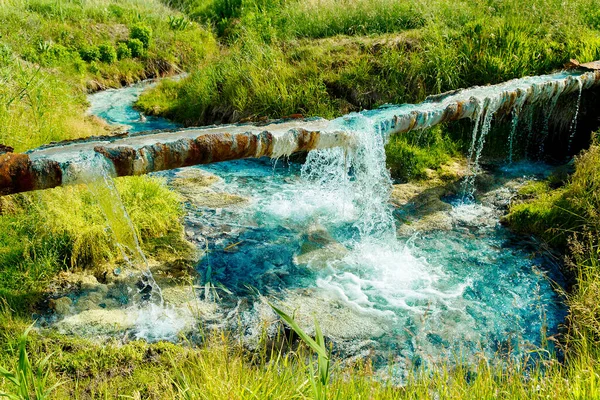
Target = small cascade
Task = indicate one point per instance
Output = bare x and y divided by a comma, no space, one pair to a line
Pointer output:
483,123
573,127
514,125
358,173
153,319
102,187
548,115
530,119
137,154
321,238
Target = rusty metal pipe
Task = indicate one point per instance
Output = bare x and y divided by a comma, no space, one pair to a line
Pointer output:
64,163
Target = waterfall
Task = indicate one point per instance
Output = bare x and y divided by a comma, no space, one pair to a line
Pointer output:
548,114
359,173
154,319
573,127
513,126
107,197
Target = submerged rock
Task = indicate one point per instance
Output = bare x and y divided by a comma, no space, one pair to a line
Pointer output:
195,186
338,320
61,306
424,208
321,258
96,322
420,205
319,249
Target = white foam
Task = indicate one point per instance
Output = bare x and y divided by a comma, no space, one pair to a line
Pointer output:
383,279
159,322
473,214
314,203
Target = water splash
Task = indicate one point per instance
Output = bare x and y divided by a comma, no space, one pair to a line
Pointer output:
513,126
154,320
358,173
102,187
573,127
432,291
548,115
483,122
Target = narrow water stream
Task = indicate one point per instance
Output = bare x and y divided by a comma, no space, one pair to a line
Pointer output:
323,240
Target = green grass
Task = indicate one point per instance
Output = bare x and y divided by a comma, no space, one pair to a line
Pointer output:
328,58
65,35
557,214
221,368
410,155
44,75
287,58
46,232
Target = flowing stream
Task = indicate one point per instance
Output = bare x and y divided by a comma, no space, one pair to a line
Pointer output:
324,240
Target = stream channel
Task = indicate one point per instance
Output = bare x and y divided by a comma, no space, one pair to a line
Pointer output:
332,239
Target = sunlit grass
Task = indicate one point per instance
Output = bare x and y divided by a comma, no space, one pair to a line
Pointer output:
288,58
45,232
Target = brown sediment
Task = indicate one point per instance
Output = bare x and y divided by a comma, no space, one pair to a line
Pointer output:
121,157
5,149
307,140
204,149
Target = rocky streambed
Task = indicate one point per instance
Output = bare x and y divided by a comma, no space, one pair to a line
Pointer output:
443,280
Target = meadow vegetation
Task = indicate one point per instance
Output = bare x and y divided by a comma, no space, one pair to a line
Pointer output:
61,229
564,213
53,52
328,58
250,59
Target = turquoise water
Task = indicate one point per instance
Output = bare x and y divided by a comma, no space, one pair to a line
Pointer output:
431,295
115,106
321,238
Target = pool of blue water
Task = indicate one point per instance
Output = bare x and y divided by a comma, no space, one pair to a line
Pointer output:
433,295
116,106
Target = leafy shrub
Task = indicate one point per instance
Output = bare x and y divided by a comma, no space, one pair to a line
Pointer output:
178,23
123,51
142,33
89,53
108,54
59,52
93,67
44,45
410,154
593,19
136,47
54,54
116,10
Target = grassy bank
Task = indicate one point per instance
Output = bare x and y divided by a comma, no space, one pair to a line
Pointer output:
328,58
64,229
556,210
52,53
222,368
